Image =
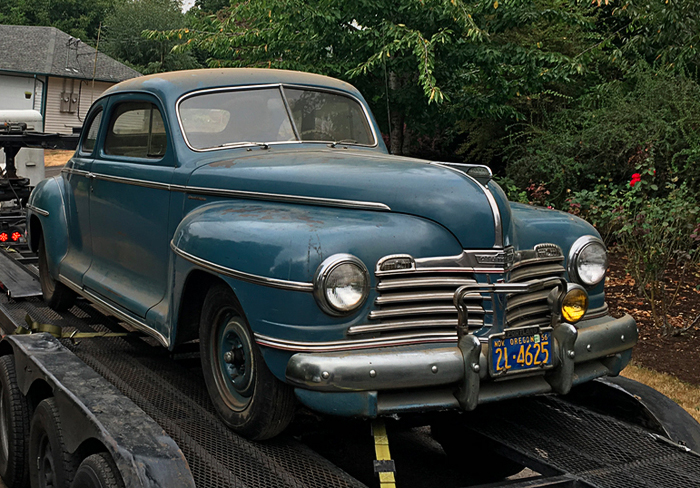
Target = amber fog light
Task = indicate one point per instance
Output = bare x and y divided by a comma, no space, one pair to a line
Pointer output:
574,304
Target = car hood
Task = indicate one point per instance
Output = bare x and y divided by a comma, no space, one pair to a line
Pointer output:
405,185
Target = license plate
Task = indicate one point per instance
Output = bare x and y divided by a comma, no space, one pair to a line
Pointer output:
520,350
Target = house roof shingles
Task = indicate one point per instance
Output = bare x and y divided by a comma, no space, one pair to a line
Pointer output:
49,51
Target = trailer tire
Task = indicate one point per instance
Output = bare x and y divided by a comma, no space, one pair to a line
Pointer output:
50,463
462,445
14,427
56,295
247,396
97,471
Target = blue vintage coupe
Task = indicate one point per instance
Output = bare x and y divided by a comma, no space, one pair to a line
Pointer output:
259,212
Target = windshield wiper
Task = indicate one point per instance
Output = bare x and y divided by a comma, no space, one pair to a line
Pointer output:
343,141
262,145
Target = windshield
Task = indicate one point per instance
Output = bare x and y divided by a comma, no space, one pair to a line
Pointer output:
255,116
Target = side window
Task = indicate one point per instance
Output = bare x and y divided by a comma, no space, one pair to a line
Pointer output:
136,130
91,137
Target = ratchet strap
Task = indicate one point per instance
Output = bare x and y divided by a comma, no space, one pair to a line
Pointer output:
384,466
34,327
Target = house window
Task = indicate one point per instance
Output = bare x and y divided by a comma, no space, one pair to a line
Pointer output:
136,130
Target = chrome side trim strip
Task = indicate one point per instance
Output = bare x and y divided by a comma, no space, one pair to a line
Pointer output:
248,195
38,210
349,345
132,181
109,309
277,197
497,225
240,275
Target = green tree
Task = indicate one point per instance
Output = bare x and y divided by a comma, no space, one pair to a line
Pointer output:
78,18
123,39
417,53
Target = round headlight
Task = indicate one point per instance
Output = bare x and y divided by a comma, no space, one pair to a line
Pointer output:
588,261
341,284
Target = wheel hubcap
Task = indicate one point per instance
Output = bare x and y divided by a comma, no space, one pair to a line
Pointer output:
47,475
234,349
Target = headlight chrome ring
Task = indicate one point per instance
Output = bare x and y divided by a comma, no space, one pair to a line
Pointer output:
341,284
588,261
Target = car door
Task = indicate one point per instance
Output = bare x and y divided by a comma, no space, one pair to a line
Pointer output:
129,206
76,175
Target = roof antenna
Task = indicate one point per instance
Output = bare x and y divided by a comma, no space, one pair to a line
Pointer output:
94,67
388,113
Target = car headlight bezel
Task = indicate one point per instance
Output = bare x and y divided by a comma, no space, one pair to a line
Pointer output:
325,272
578,248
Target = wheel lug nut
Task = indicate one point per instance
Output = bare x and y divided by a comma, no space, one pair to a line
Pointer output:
228,357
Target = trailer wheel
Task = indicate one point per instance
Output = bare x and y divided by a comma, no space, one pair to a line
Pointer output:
97,471
50,464
14,427
462,446
56,295
247,396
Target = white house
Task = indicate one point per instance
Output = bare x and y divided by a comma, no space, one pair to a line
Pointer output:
45,69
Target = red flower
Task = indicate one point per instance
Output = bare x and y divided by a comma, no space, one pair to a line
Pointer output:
636,178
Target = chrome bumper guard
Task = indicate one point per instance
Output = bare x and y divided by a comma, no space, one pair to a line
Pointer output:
466,365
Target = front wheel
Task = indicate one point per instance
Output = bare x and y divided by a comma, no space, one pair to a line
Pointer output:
247,396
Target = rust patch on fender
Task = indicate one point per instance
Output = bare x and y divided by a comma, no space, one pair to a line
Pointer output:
226,163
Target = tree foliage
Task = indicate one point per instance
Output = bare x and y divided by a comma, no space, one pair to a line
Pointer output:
436,60
78,18
123,40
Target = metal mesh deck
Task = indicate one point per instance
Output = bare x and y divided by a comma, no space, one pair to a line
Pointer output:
598,449
176,398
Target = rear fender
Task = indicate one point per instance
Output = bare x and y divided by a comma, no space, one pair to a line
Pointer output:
47,217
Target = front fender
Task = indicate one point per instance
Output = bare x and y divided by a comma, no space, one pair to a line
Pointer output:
46,215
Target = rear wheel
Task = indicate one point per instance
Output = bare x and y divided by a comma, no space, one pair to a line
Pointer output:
50,463
247,396
97,471
14,427
56,295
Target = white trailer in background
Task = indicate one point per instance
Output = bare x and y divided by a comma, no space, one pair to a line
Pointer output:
29,161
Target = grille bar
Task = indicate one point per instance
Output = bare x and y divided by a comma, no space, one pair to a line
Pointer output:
532,308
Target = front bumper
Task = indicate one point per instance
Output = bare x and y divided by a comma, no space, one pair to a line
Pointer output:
437,376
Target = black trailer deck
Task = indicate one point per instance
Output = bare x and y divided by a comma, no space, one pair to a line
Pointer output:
568,442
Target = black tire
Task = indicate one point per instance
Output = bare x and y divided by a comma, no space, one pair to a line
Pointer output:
247,396
56,295
14,427
466,449
98,471
50,463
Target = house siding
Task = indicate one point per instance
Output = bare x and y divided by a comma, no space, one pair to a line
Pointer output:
63,122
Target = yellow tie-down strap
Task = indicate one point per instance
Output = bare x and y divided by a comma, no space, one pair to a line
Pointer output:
384,466
34,327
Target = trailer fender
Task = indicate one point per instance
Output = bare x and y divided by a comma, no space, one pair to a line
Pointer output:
635,403
93,409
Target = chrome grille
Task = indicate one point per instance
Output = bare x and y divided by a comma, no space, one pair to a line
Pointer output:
420,301
532,308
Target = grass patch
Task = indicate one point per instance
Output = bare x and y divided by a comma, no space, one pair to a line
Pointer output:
684,394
